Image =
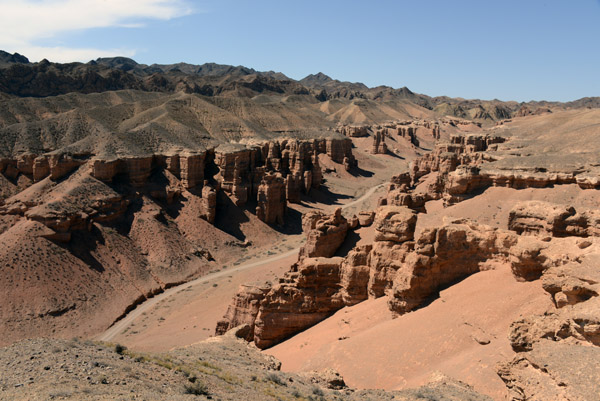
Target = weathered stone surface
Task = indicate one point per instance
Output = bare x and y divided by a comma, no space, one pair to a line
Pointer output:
553,371
353,131
461,150
209,203
442,256
544,218
271,199
573,282
365,219
306,297
398,197
324,234
238,171
338,149
243,310
385,259
395,223
576,324
463,169
190,167
69,206
528,261
354,275
379,146
328,378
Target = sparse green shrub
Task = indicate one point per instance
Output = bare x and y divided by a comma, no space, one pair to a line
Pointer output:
196,388
119,349
274,377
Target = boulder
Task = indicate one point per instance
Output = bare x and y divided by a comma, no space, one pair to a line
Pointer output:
395,223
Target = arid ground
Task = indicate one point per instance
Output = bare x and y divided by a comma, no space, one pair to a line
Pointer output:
171,233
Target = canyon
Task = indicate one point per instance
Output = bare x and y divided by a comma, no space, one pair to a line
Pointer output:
356,242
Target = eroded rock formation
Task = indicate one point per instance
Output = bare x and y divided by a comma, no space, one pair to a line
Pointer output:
324,234
537,217
273,174
408,270
379,145
353,131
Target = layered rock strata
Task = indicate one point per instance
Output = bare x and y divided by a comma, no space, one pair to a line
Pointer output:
539,218
558,352
379,146
462,167
272,174
324,234
353,131
460,150
408,270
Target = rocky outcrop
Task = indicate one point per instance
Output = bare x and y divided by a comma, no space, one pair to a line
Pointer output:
209,203
324,234
574,287
553,371
271,199
460,150
462,167
379,146
353,131
365,219
315,287
340,151
401,192
70,206
306,296
39,167
573,282
466,179
578,324
558,351
410,271
395,224
354,275
273,173
543,218
395,228
529,259
442,256
243,310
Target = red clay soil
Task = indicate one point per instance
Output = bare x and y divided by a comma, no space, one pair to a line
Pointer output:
463,334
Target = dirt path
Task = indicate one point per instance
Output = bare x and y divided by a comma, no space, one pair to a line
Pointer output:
150,303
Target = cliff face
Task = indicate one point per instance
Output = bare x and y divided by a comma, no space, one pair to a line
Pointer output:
411,270
270,175
468,164
131,226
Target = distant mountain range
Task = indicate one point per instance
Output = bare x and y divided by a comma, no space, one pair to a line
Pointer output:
19,77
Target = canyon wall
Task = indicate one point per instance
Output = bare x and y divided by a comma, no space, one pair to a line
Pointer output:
268,175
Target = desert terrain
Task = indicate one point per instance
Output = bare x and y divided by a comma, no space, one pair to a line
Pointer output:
217,232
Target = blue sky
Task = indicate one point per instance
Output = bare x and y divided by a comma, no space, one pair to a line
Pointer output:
510,50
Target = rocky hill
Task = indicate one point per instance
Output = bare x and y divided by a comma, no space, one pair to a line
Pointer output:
224,368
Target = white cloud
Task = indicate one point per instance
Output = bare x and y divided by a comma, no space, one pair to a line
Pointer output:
23,23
